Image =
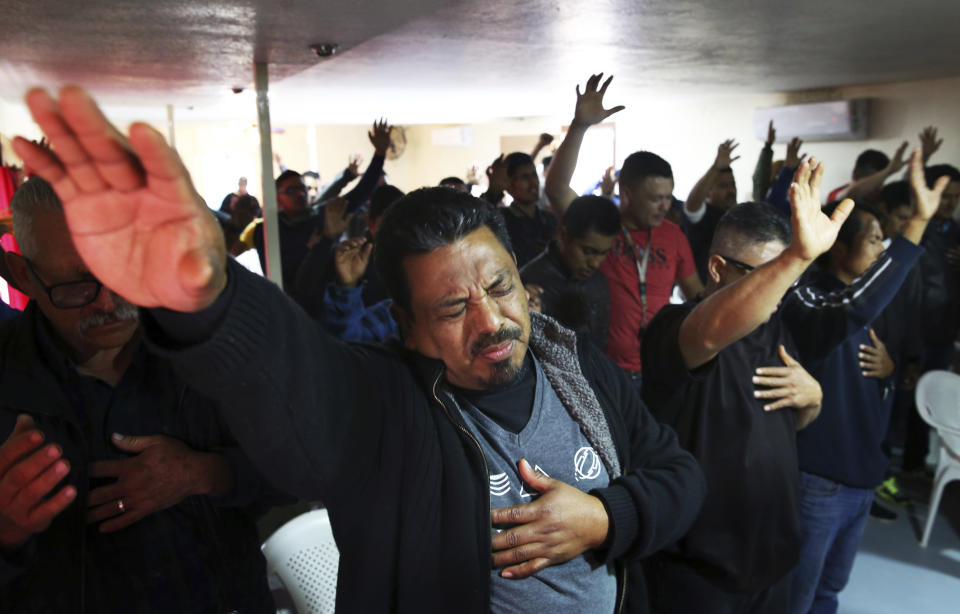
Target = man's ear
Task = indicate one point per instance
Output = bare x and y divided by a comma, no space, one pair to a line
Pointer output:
715,266
404,323
20,273
624,192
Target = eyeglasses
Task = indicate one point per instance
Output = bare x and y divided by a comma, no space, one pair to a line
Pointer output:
71,294
743,266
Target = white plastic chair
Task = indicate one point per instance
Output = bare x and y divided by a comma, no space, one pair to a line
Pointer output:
938,402
304,555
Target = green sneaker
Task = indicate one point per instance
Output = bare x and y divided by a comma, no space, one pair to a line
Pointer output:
891,493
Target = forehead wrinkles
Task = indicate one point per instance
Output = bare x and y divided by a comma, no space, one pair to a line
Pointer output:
471,280
462,269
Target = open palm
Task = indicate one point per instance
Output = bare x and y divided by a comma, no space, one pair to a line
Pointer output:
133,213
589,109
813,231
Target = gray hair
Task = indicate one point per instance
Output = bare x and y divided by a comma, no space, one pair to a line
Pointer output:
33,196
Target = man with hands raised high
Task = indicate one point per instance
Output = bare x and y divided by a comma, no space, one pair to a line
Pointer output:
397,442
841,454
650,255
722,372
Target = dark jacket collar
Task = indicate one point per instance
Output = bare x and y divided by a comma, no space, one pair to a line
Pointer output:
27,381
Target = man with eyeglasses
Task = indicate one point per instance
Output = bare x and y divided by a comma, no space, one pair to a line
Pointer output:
120,489
724,372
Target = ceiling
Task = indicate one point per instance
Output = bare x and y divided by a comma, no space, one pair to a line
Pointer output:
458,61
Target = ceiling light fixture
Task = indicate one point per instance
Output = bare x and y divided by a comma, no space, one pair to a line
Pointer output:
325,50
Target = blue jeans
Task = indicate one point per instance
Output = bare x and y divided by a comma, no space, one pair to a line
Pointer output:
833,518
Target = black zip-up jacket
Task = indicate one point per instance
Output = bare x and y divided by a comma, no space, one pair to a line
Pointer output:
374,434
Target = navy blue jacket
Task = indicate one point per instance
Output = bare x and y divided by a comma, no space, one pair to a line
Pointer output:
844,443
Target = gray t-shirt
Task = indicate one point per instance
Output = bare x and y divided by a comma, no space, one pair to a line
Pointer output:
553,444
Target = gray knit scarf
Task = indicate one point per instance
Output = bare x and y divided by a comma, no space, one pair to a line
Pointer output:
556,349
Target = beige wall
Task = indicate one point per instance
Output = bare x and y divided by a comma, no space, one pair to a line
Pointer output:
685,130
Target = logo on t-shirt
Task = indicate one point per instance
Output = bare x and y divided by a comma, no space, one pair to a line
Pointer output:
499,484
586,464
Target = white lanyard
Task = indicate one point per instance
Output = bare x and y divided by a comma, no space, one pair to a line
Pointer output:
641,271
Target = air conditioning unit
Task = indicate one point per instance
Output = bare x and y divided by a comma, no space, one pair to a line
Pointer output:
841,120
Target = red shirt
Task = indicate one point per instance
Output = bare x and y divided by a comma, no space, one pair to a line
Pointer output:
832,196
670,260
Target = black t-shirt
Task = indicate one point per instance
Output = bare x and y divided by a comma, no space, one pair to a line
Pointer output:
747,535
510,406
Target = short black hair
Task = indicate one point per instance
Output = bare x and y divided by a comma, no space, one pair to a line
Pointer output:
870,161
247,200
642,164
932,173
452,179
225,203
313,174
894,194
384,196
591,214
425,220
516,160
755,222
853,224
287,174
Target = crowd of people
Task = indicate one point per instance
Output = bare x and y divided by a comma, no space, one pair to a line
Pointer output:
603,402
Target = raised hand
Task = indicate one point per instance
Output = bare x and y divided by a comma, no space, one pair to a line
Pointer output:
350,261
563,523
27,171
379,136
497,175
897,161
771,134
793,159
29,474
929,143
609,181
813,231
589,109
927,199
545,139
133,213
875,361
163,472
473,174
724,153
353,163
336,220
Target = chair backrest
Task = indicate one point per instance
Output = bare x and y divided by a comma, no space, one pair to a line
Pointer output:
304,555
938,402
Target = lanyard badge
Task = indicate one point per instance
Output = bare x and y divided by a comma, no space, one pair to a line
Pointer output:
641,262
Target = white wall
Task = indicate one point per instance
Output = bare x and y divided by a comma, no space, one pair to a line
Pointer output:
684,129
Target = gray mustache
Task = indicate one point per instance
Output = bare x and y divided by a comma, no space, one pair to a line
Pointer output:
123,312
